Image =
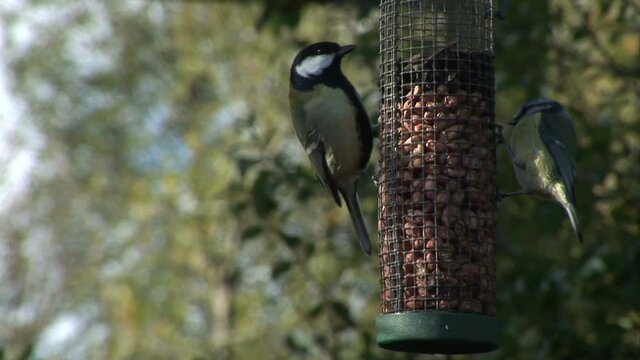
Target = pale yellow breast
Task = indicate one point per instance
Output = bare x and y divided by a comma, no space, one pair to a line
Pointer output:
531,157
335,120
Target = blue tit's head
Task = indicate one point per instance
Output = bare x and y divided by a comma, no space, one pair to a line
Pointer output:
319,62
537,105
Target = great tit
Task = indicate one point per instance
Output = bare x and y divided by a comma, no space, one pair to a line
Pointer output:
332,125
543,148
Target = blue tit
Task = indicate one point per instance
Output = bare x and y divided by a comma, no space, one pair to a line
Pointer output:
543,148
332,125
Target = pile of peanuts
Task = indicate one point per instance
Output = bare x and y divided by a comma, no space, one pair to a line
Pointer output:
437,200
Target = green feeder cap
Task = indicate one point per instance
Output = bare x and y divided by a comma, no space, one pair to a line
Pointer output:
437,332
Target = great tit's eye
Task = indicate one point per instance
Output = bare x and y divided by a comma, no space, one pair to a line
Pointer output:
319,51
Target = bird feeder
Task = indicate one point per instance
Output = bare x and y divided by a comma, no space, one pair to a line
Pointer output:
437,181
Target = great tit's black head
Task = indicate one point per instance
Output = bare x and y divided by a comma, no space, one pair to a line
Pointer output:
319,62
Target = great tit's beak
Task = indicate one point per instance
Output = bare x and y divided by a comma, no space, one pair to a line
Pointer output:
344,50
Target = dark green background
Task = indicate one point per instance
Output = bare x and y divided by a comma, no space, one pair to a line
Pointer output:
169,212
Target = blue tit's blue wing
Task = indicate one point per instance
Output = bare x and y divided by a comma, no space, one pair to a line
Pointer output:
561,125
317,155
562,157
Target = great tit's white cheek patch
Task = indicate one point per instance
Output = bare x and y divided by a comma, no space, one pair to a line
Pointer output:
314,65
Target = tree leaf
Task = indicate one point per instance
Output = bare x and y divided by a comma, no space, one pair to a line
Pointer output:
252,231
280,268
292,241
316,310
244,163
296,343
343,312
309,248
263,194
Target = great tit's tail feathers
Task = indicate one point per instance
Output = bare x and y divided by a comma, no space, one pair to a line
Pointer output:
353,205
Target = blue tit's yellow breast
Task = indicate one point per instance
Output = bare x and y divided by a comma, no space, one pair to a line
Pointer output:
533,164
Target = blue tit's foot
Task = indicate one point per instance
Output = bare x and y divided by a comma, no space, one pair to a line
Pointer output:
375,178
375,131
503,195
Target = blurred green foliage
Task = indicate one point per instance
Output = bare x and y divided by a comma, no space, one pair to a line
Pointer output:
170,213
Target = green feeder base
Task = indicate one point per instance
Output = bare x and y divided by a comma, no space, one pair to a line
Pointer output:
437,332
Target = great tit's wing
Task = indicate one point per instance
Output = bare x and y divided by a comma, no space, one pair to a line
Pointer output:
317,155
565,166
307,132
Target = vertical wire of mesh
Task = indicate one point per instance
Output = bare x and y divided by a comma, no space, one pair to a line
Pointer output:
437,185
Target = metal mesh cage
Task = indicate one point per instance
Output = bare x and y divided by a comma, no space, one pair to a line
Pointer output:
437,188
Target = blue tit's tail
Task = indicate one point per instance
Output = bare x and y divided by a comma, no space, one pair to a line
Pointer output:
573,217
353,205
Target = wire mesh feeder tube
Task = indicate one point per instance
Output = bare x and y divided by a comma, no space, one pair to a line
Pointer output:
437,188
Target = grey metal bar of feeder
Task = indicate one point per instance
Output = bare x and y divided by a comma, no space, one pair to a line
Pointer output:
437,185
